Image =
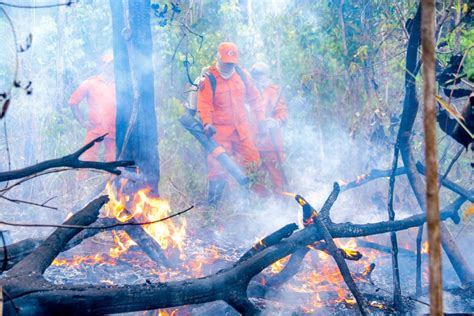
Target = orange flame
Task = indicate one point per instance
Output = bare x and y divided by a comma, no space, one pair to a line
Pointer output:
425,247
145,208
277,266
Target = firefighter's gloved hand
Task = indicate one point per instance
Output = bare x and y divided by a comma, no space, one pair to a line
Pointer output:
271,123
209,130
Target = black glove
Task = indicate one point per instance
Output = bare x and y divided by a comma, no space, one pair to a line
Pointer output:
209,130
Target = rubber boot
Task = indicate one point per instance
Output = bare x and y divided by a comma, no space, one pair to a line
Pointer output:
215,192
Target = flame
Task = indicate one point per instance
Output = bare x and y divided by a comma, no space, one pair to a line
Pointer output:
163,312
122,241
425,247
351,253
145,208
277,266
469,212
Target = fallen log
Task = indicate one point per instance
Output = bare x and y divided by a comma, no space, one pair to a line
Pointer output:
18,251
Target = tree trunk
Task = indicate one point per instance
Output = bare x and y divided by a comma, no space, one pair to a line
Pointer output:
431,156
136,136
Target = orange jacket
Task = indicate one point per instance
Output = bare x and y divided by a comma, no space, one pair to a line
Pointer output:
100,96
275,108
226,110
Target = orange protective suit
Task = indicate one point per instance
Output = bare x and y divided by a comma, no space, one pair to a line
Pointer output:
100,96
227,112
270,145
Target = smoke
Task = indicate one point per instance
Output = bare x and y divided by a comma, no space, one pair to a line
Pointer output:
329,137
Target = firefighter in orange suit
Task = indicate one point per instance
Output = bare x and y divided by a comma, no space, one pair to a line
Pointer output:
221,99
99,92
270,144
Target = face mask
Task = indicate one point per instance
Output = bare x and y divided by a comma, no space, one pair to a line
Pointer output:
224,70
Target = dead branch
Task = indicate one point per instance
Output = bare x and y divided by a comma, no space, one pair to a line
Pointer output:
149,245
270,240
71,161
17,201
377,173
372,175
449,184
102,228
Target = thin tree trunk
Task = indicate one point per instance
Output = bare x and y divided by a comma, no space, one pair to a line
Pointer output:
431,156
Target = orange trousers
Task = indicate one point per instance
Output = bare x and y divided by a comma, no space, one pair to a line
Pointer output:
93,153
243,151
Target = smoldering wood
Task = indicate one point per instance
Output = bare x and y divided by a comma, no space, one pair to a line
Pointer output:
148,245
18,251
35,296
334,251
291,268
270,240
70,161
372,175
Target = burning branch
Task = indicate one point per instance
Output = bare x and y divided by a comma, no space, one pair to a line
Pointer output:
71,161
315,220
